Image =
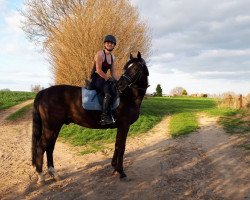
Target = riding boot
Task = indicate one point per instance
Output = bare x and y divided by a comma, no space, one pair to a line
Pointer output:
105,118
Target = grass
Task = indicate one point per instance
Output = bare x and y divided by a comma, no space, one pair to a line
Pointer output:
247,146
92,148
19,113
183,121
10,98
234,122
183,111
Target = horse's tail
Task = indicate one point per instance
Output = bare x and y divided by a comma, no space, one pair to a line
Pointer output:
36,128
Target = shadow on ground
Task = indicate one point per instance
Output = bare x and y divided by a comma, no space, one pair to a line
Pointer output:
171,169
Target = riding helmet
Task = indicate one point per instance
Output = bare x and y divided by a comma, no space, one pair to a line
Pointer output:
110,38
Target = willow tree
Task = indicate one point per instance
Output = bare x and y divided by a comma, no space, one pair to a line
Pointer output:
72,31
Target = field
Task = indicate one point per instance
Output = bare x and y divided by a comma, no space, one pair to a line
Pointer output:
184,119
8,98
175,150
184,113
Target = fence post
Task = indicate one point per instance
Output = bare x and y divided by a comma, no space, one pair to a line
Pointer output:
230,103
240,101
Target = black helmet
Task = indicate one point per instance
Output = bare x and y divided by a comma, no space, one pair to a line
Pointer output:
110,38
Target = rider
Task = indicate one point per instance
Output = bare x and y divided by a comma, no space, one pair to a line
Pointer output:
104,60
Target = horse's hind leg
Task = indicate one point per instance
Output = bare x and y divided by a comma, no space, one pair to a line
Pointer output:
39,160
49,152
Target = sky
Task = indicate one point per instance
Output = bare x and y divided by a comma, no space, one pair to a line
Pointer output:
200,45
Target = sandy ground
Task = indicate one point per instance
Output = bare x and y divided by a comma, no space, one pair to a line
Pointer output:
208,164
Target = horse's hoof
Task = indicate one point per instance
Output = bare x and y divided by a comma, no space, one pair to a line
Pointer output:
41,180
54,174
57,178
123,175
115,172
125,179
40,183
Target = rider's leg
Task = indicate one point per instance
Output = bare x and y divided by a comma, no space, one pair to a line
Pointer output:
106,115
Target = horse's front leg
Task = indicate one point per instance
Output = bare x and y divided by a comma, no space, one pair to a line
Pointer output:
117,160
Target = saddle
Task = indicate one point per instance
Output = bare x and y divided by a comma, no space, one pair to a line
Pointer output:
92,100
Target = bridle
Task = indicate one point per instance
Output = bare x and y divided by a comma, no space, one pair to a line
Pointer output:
132,80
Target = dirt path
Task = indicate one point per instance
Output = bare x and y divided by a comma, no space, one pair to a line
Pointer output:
208,164
7,112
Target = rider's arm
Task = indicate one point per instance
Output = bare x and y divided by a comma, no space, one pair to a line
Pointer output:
98,60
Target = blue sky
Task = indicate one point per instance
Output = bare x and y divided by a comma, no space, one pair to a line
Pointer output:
202,46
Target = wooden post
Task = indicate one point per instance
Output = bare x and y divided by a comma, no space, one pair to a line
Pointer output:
240,101
230,98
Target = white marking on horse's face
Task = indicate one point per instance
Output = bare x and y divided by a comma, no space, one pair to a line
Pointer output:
130,65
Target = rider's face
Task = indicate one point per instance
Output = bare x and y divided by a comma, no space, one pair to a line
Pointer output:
109,45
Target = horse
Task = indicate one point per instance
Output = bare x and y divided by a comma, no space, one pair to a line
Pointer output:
62,104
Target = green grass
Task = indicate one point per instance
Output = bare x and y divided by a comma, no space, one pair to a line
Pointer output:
247,146
182,109
184,120
183,123
92,148
183,112
19,113
234,122
9,98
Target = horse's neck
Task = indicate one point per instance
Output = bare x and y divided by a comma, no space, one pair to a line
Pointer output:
133,95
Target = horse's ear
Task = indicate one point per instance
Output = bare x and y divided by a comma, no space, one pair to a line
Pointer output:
139,55
131,56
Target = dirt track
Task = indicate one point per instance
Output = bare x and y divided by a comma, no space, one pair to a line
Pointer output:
208,164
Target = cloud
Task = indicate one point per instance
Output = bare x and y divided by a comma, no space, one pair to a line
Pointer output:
13,22
13,39
21,63
3,4
208,39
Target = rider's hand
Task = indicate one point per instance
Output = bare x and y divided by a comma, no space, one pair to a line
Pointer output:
111,80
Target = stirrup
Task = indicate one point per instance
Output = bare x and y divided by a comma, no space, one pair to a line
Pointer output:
113,119
105,120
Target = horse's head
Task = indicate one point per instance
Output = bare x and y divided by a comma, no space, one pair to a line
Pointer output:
135,74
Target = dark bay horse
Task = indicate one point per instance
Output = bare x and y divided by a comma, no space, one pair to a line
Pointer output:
62,104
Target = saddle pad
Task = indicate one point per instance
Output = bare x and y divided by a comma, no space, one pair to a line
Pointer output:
90,100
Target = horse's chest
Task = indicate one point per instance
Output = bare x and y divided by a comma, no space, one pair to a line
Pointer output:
134,114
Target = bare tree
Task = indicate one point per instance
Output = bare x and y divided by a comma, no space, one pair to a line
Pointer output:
177,91
72,31
36,88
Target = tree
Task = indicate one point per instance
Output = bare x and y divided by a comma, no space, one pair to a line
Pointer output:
36,88
184,92
5,90
158,90
177,91
71,32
